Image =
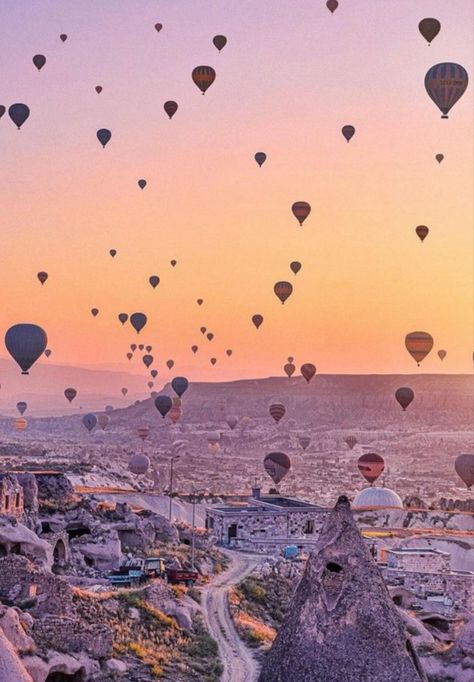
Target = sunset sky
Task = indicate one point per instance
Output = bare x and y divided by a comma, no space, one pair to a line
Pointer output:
291,75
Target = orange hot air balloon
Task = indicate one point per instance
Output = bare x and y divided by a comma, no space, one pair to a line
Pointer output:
283,290
422,231
308,370
371,466
20,423
175,414
419,344
203,77
442,354
289,369
301,210
277,411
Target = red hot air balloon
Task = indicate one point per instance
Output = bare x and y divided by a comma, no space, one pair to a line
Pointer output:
332,5
170,364
429,29
42,276
464,466
277,465
308,370
170,108
39,60
257,320
446,83
404,396
228,352
422,231
63,37
419,344
301,210
175,414
158,27
371,466
194,349
277,411
442,354
219,42
289,369
203,77
283,290
348,132
98,89
213,361
141,183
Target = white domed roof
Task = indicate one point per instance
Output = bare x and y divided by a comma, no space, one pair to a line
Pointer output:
377,498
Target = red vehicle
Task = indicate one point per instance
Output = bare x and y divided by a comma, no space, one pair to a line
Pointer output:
181,575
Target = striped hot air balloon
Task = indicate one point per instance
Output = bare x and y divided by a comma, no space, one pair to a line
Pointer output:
277,465
446,83
289,369
301,210
203,77
20,423
142,432
277,411
371,466
283,290
419,344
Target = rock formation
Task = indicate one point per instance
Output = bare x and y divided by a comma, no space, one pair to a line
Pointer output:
342,624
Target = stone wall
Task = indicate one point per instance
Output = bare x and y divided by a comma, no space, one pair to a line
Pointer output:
422,562
11,496
72,635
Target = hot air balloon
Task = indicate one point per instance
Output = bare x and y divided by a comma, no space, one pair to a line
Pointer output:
260,158
439,157
21,407
124,391
163,404
199,301
133,347
213,361
154,281
277,411
464,465
158,27
228,352
209,336
179,385
98,89
173,263
138,464
304,441
404,396
94,312
113,252
109,408
289,369
123,317
213,437
18,113
257,320
422,231
25,343
283,290
175,414
63,37
89,421
47,352
70,394
301,210
351,441
147,360
39,60
219,42
138,321
42,276
103,135
141,183
203,330
102,421
295,267
170,364
332,5
290,358
170,108
308,370
129,356
203,77
194,349
142,432
348,132
2,110
371,466
232,422
154,373
442,354
419,344
445,84
20,423
148,349
429,29
277,465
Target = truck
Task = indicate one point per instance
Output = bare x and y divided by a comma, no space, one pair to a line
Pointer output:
181,575
135,571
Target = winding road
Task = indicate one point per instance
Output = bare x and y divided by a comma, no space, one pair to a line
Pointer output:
238,661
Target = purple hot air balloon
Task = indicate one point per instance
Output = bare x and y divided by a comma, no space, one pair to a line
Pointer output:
18,113
104,135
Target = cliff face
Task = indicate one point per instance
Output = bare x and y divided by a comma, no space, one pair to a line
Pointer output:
342,624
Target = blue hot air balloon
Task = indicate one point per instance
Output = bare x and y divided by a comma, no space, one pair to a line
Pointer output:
179,385
18,113
163,404
104,135
21,407
138,321
446,83
25,343
89,421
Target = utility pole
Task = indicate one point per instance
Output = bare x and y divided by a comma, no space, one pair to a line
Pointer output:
194,528
172,461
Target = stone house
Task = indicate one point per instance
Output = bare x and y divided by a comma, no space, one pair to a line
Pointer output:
11,496
266,524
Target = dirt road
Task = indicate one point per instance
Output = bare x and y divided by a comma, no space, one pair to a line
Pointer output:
238,661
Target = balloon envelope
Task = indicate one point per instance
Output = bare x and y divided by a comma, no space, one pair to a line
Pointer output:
371,466
154,281
257,320
404,396
98,89
464,466
332,5
194,349
203,77
63,37
439,157
179,385
170,364
419,344
260,158
304,441
104,135
138,464
348,132
429,29
277,411
113,252
351,441
422,231
308,370
21,407
289,369
147,360
20,423
163,404
18,113
277,465
42,276
142,183
70,394
102,421
138,321
219,42
232,421
89,421
283,290
295,267
171,108
39,60
442,354
94,312
301,210
25,343
446,83
123,317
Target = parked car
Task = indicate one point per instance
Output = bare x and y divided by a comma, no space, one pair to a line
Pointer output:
181,575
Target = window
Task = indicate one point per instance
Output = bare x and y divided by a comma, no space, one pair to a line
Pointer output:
7,502
309,527
17,500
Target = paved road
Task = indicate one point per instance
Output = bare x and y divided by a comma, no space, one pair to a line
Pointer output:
238,661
